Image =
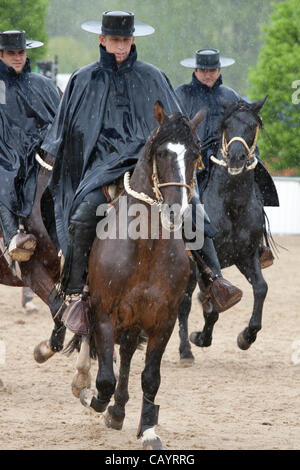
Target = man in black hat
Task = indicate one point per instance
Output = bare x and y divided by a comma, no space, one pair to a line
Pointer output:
28,102
104,120
206,90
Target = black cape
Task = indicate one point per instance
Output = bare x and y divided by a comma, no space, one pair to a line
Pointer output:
28,102
194,96
104,119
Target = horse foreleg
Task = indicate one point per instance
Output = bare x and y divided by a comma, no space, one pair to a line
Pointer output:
252,271
82,378
185,352
106,381
115,414
157,343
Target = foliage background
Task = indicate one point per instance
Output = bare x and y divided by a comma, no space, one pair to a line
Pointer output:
277,69
262,36
27,15
181,27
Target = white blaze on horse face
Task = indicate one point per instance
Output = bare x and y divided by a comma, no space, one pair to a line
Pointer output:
180,150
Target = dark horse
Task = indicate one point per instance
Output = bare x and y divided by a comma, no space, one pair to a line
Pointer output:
136,285
235,208
42,271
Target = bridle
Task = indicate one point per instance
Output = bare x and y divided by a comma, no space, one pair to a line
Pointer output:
157,185
250,151
190,187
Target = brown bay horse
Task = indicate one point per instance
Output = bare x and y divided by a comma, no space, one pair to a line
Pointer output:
41,272
136,284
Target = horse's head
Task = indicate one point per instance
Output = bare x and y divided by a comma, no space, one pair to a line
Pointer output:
240,126
175,153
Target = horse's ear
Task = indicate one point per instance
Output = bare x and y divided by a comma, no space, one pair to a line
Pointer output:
197,119
256,106
159,112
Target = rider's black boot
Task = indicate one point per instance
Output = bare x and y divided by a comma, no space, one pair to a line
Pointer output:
20,245
76,316
82,232
219,291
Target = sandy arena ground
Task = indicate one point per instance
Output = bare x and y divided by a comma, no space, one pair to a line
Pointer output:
229,399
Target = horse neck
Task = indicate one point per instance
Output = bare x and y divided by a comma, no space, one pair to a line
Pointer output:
141,179
234,190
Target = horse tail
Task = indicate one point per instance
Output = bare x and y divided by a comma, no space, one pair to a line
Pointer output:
141,340
75,343
270,242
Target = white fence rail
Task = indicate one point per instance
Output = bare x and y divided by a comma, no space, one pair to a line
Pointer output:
286,218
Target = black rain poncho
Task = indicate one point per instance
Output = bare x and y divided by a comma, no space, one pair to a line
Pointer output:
103,122
28,102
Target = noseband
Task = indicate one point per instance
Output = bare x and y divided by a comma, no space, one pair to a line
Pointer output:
225,150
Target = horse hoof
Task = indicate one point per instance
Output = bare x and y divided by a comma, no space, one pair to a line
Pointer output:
242,343
86,396
197,339
42,352
152,444
30,307
111,422
193,337
80,382
186,361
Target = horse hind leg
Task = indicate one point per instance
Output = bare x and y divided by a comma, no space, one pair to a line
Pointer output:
115,414
82,378
203,339
185,352
106,381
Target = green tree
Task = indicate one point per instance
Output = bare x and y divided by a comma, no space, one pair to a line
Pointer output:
277,75
27,15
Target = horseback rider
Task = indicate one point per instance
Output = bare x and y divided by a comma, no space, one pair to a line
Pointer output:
28,102
104,120
206,90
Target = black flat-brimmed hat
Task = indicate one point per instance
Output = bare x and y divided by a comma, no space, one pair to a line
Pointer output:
207,59
16,40
118,23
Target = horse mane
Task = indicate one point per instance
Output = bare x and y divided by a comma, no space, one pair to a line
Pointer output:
241,105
